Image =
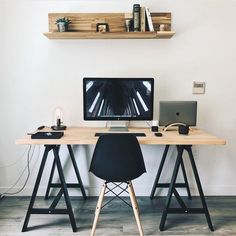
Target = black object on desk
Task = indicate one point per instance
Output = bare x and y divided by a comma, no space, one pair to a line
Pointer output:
135,134
47,135
59,125
183,129
41,127
154,128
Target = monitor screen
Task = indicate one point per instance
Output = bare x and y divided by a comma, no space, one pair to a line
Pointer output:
118,98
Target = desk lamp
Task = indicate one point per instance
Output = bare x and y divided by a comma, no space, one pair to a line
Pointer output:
58,117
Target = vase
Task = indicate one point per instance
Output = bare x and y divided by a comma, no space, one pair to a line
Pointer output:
62,27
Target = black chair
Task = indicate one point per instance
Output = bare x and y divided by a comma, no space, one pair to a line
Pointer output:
117,159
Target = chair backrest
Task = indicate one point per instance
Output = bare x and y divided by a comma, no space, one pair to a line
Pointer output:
117,158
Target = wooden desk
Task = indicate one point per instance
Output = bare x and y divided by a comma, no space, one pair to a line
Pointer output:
85,136
79,135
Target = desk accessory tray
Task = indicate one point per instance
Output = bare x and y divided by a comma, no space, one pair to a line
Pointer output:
47,135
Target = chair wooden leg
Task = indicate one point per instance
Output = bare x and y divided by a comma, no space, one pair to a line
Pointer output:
98,208
135,207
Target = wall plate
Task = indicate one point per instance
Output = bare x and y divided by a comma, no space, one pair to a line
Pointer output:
199,87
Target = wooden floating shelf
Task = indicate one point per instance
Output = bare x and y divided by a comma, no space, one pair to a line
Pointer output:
83,26
110,35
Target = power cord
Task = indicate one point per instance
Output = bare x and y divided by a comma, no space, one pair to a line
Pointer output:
174,124
27,167
14,163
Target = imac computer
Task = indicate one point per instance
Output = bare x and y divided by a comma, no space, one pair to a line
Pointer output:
120,99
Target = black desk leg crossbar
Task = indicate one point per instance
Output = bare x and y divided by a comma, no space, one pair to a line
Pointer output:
167,185
63,190
172,190
69,185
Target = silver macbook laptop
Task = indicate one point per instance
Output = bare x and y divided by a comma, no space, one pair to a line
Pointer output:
178,112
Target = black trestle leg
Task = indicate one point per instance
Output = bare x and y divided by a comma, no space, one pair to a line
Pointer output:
159,171
185,179
166,185
36,186
64,188
171,188
69,185
203,200
50,180
77,171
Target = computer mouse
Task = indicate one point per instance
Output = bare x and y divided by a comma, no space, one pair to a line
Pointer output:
41,127
158,134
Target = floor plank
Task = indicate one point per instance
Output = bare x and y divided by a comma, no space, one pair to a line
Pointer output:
117,218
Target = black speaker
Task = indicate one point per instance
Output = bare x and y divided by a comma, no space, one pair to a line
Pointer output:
154,128
183,129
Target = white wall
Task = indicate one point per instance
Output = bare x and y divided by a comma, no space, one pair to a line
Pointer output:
37,75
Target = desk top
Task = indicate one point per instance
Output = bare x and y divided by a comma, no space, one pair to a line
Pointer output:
85,135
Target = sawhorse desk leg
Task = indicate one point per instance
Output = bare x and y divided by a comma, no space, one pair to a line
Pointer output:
172,190
69,185
167,185
63,190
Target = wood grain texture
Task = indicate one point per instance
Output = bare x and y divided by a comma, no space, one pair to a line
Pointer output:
85,135
83,26
86,22
107,35
161,18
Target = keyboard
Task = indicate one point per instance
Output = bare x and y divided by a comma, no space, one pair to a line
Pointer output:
136,134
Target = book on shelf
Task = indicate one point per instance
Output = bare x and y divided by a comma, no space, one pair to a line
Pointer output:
136,17
149,20
143,19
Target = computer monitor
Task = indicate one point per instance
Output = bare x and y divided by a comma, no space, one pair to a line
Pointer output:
118,98
178,112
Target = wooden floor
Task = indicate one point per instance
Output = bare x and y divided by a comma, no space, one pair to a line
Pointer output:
117,218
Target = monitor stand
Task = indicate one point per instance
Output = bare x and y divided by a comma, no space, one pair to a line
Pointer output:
118,126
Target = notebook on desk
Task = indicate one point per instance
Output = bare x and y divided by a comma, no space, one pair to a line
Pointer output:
47,135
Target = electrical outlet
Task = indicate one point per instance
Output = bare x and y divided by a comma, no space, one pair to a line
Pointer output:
198,87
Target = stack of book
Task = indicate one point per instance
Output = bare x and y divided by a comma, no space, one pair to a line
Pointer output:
142,20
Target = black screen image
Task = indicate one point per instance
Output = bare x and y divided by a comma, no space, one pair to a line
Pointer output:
118,98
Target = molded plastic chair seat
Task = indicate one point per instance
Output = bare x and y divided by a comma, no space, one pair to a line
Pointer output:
117,158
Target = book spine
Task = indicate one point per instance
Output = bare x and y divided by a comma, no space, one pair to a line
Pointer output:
149,20
143,19
136,17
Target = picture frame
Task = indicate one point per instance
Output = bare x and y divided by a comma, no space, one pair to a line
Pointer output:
102,27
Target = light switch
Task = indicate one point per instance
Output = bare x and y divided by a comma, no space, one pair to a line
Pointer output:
198,87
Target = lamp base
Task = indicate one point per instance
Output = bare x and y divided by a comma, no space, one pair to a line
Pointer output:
61,127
